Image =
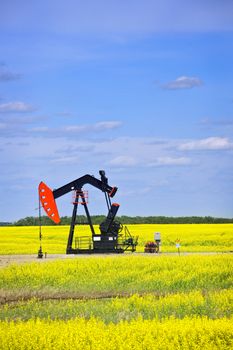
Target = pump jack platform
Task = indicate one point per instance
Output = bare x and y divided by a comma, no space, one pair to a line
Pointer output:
113,237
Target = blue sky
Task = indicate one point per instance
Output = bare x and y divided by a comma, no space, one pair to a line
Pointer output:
142,89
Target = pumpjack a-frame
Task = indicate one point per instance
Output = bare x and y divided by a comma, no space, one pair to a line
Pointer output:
113,237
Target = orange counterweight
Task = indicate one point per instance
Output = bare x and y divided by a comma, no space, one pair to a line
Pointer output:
48,202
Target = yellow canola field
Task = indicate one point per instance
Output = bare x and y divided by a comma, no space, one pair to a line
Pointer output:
117,275
174,302
171,334
193,237
211,304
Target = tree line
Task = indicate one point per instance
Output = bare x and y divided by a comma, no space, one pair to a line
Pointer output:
97,219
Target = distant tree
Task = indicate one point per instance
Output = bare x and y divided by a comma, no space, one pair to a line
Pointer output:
97,219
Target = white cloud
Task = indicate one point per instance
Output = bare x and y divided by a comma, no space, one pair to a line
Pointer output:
64,160
210,143
143,152
16,107
183,83
16,125
77,128
123,161
170,161
107,125
100,126
49,159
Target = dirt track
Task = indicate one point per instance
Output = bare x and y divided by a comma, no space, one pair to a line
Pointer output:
20,259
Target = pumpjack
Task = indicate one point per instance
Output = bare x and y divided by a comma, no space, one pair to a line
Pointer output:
113,237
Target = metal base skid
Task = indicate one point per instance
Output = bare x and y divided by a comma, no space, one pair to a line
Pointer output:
94,251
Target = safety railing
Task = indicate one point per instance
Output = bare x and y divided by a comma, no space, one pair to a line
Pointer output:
84,242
